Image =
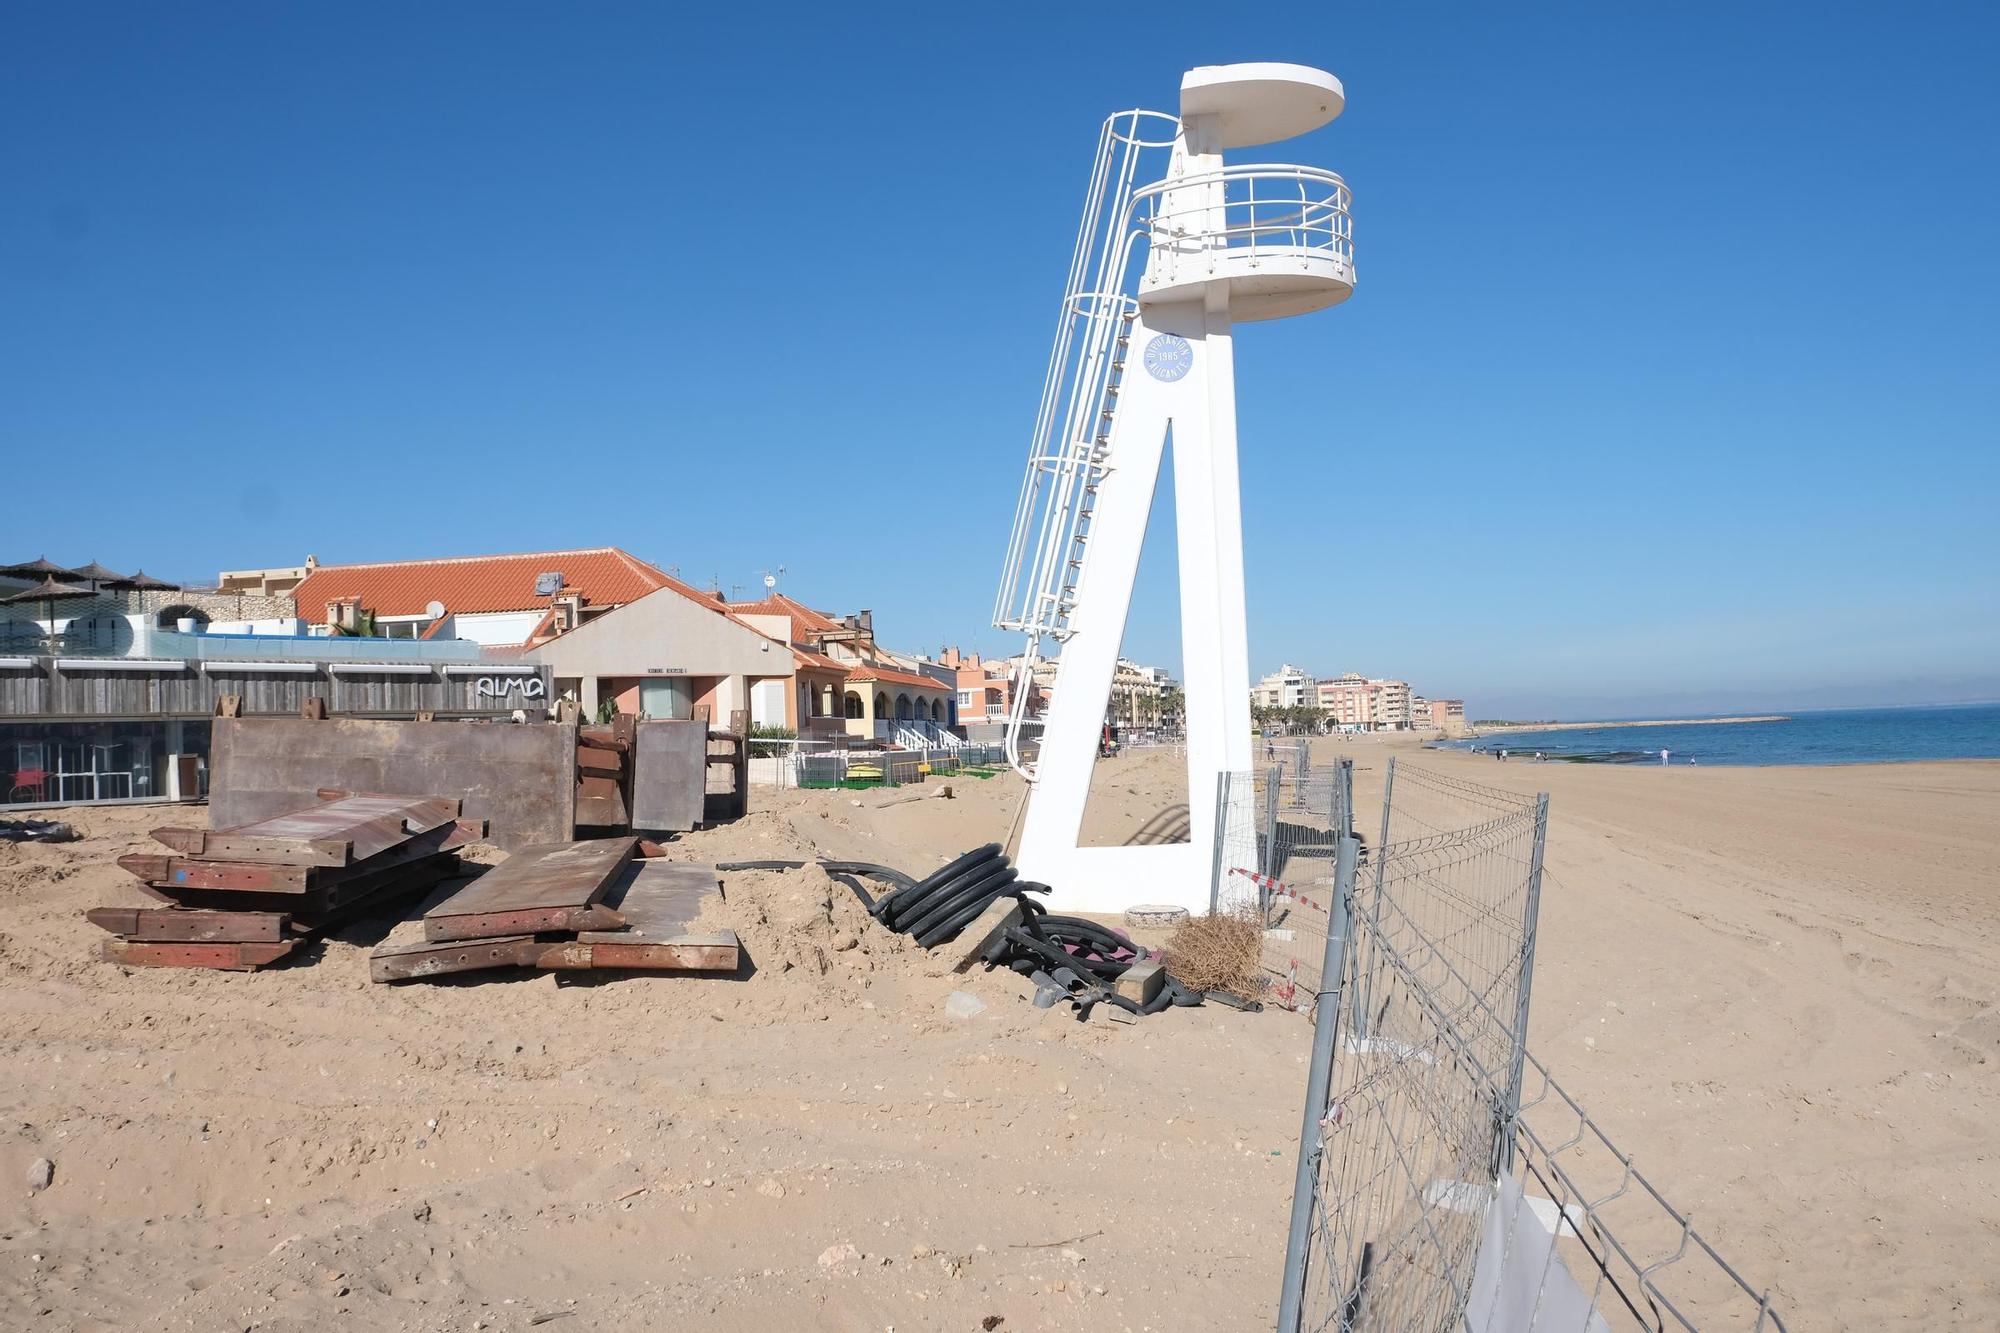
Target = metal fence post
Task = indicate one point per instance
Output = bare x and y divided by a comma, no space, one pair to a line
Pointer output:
1221,832
1326,1029
1347,791
1364,1019
1274,786
1531,912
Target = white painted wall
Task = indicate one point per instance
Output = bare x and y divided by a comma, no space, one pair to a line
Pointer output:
771,627
664,633
290,628
501,628
731,694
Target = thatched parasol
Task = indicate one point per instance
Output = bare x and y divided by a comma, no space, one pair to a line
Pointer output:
48,592
30,569
101,577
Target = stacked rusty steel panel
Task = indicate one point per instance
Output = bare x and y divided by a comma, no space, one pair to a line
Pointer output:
571,906
239,898
604,774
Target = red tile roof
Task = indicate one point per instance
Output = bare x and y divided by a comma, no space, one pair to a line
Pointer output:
606,576
891,676
813,661
804,619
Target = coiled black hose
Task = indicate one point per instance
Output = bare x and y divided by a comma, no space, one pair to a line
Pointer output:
869,868
902,906
1084,958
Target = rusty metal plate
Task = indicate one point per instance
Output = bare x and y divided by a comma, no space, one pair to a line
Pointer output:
658,899
226,957
224,846
521,779
720,952
426,958
153,923
238,876
600,802
669,768
590,759
549,887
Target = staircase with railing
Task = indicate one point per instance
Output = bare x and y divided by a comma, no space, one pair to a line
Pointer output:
1070,455
917,734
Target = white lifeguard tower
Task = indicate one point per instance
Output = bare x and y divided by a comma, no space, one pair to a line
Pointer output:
1162,272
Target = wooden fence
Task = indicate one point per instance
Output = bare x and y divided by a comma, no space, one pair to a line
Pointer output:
52,689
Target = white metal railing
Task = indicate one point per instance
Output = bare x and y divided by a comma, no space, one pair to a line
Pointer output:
1079,396
1254,208
1071,420
916,734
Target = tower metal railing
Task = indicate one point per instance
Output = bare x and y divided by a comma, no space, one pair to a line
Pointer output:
1245,212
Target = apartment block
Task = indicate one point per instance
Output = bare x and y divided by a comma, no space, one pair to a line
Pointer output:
1287,687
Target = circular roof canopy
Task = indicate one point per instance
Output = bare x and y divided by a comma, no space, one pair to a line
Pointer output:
1262,102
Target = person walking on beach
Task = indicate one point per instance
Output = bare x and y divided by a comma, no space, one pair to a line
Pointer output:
1663,758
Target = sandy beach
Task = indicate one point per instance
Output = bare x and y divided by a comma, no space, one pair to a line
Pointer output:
1776,987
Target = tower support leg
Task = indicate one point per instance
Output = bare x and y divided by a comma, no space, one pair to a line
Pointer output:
1186,394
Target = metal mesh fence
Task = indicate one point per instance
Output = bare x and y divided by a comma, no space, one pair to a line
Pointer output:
885,768
1446,1181
1279,833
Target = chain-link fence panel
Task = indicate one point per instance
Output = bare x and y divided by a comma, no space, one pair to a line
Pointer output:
1446,1181
1279,836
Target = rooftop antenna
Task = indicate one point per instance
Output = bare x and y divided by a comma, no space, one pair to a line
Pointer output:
1174,250
771,579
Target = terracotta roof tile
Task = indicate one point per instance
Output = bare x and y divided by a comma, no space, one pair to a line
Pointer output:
804,618
891,676
606,576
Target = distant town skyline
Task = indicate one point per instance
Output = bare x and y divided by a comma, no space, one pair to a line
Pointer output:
1598,435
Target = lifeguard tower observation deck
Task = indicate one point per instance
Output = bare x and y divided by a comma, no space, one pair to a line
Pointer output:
1175,248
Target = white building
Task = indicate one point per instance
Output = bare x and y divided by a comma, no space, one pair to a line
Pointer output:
1287,687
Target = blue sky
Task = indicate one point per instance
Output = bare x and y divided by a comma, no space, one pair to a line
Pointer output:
1671,380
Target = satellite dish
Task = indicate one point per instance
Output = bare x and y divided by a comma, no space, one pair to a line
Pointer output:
435,610
770,580
548,584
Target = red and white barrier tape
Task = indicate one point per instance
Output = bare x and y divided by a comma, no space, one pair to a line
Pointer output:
1277,888
1285,992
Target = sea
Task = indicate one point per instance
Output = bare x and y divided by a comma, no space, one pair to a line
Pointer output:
1829,736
